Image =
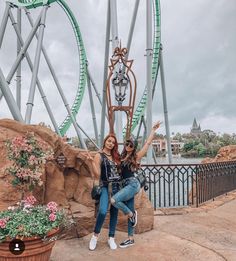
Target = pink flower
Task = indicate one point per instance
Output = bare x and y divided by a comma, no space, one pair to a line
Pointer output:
52,217
30,200
3,222
29,156
32,160
52,206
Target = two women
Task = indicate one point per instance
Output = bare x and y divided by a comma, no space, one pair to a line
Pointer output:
106,165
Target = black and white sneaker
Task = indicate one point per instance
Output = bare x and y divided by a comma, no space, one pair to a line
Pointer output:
134,219
127,243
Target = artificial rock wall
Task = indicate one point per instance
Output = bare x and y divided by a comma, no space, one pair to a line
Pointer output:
68,184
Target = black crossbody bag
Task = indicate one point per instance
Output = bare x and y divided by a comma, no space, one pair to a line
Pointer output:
96,192
142,178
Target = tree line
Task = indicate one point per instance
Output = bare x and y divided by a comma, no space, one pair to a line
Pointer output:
206,144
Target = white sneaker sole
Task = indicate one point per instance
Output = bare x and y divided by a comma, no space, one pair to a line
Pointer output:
136,218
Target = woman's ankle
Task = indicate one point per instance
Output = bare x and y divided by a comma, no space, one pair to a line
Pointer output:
130,214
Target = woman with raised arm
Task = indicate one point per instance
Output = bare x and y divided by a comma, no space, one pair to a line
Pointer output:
124,199
105,167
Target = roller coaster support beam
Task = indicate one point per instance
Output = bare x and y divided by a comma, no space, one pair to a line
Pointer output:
87,136
139,129
9,98
131,30
4,22
165,107
92,106
40,88
3,29
114,25
115,43
30,102
82,143
23,49
76,126
51,70
149,52
94,86
95,89
104,94
18,72
144,130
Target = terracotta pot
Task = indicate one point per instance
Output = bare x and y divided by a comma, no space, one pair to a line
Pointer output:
35,249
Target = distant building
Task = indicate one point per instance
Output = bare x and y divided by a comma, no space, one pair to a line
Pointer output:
196,129
160,147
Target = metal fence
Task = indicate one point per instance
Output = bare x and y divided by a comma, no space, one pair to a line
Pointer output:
176,185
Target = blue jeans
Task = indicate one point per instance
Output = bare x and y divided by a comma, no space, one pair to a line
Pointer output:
124,199
102,211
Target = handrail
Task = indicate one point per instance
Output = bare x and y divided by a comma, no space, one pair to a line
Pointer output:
174,185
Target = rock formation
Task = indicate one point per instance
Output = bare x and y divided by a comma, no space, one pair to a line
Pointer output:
67,182
226,153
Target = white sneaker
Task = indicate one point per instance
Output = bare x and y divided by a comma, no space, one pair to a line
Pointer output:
112,243
93,242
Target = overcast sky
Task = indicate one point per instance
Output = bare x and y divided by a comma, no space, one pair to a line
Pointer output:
199,42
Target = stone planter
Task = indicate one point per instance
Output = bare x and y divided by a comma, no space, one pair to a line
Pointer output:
35,249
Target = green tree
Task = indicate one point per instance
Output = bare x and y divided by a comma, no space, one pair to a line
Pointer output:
201,149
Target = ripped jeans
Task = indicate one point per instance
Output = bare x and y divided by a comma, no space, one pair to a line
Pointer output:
124,199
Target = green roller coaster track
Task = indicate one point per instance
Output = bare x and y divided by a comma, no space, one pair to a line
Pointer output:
155,66
80,92
82,55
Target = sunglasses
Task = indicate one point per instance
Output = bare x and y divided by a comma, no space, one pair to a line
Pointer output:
130,144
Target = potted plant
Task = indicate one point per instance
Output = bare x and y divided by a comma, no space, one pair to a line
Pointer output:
35,225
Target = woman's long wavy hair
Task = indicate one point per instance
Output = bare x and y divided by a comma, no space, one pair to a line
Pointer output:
114,152
131,161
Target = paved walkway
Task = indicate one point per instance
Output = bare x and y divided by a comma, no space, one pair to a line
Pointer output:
204,234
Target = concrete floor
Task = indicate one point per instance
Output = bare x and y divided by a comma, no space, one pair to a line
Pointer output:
207,233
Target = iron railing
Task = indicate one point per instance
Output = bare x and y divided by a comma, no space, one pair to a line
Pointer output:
176,185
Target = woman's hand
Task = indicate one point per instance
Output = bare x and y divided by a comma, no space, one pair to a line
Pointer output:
156,125
88,157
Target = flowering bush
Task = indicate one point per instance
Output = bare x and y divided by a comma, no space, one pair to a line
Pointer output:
28,155
27,219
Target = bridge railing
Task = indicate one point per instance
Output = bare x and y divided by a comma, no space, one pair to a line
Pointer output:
178,185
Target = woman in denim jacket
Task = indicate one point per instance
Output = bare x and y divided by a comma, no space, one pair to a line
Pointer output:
124,199
105,167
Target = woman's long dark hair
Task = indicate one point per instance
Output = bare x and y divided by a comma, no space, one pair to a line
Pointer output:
131,161
114,152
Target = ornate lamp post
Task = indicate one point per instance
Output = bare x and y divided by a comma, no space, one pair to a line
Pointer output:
123,81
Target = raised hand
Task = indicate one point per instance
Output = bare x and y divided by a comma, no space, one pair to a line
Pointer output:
156,125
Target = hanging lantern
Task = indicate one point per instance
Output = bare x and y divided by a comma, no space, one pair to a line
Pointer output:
123,82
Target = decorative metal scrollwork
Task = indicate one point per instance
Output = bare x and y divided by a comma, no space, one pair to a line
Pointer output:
123,80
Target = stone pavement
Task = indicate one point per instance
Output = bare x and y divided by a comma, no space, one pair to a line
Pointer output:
204,233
